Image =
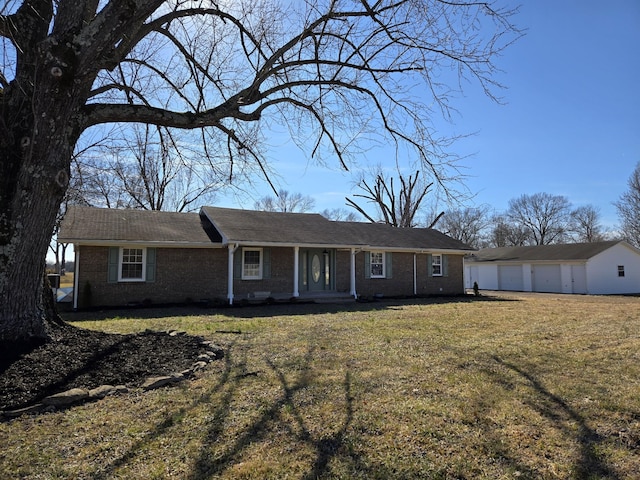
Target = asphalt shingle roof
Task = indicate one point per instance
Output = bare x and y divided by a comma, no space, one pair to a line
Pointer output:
108,224
560,252
214,225
314,229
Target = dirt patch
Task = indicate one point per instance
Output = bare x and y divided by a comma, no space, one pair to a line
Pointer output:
87,359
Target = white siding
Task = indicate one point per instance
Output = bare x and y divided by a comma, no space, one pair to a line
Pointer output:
602,271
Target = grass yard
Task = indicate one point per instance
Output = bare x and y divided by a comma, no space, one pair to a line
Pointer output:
515,386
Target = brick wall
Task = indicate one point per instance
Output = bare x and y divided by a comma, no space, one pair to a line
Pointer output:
280,281
184,275
181,275
401,281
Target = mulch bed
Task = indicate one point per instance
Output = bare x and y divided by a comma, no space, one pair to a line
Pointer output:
80,358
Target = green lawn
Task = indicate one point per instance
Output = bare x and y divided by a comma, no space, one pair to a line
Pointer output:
517,386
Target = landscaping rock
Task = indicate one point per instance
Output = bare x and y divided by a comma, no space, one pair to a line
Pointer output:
215,352
66,398
157,382
37,408
102,391
198,366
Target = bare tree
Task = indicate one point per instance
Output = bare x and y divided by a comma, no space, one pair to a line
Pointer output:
585,224
340,215
150,171
628,207
504,233
343,70
544,216
286,202
394,207
467,224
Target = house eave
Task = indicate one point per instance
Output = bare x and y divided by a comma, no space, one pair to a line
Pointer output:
146,243
357,247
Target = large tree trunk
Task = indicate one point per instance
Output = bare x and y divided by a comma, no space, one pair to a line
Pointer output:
29,204
37,137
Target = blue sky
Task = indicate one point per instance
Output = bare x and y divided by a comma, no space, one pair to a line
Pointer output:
570,125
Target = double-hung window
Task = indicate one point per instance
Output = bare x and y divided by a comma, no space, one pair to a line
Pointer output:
132,264
436,265
621,270
251,263
377,265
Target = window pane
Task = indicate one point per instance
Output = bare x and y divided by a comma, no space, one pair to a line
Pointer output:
377,264
436,265
251,264
131,263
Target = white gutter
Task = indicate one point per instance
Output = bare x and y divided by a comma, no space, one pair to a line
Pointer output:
147,243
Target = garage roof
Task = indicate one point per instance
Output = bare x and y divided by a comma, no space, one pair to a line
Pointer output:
559,252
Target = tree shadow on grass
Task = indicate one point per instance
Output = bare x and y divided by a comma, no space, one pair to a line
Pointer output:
170,420
259,310
325,447
553,407
234,373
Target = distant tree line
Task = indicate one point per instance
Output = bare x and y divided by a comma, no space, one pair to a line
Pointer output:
537,219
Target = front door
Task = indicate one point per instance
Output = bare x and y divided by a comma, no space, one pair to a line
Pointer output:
316,270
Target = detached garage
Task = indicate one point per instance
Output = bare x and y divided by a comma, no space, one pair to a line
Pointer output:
600,268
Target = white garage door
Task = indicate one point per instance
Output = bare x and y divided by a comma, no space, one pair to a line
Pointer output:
547,278
510,278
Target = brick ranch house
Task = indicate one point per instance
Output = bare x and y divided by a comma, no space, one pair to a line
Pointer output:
129,257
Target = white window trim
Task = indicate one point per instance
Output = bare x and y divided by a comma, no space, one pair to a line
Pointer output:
144,264
260,268
433,258
371,264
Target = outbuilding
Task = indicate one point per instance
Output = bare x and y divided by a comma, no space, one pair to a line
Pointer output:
599,268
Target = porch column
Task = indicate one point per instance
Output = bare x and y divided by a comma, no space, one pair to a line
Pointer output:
232,250
415,275
76,271
296,262
352,279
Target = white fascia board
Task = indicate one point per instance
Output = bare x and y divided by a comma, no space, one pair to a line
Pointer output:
349,247
119,243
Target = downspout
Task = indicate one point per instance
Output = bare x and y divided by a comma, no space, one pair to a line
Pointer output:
232,250
352,275
76,270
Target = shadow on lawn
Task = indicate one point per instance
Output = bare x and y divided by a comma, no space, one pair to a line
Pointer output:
271,421
554,408
257,310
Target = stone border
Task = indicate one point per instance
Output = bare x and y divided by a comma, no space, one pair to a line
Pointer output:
81,395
